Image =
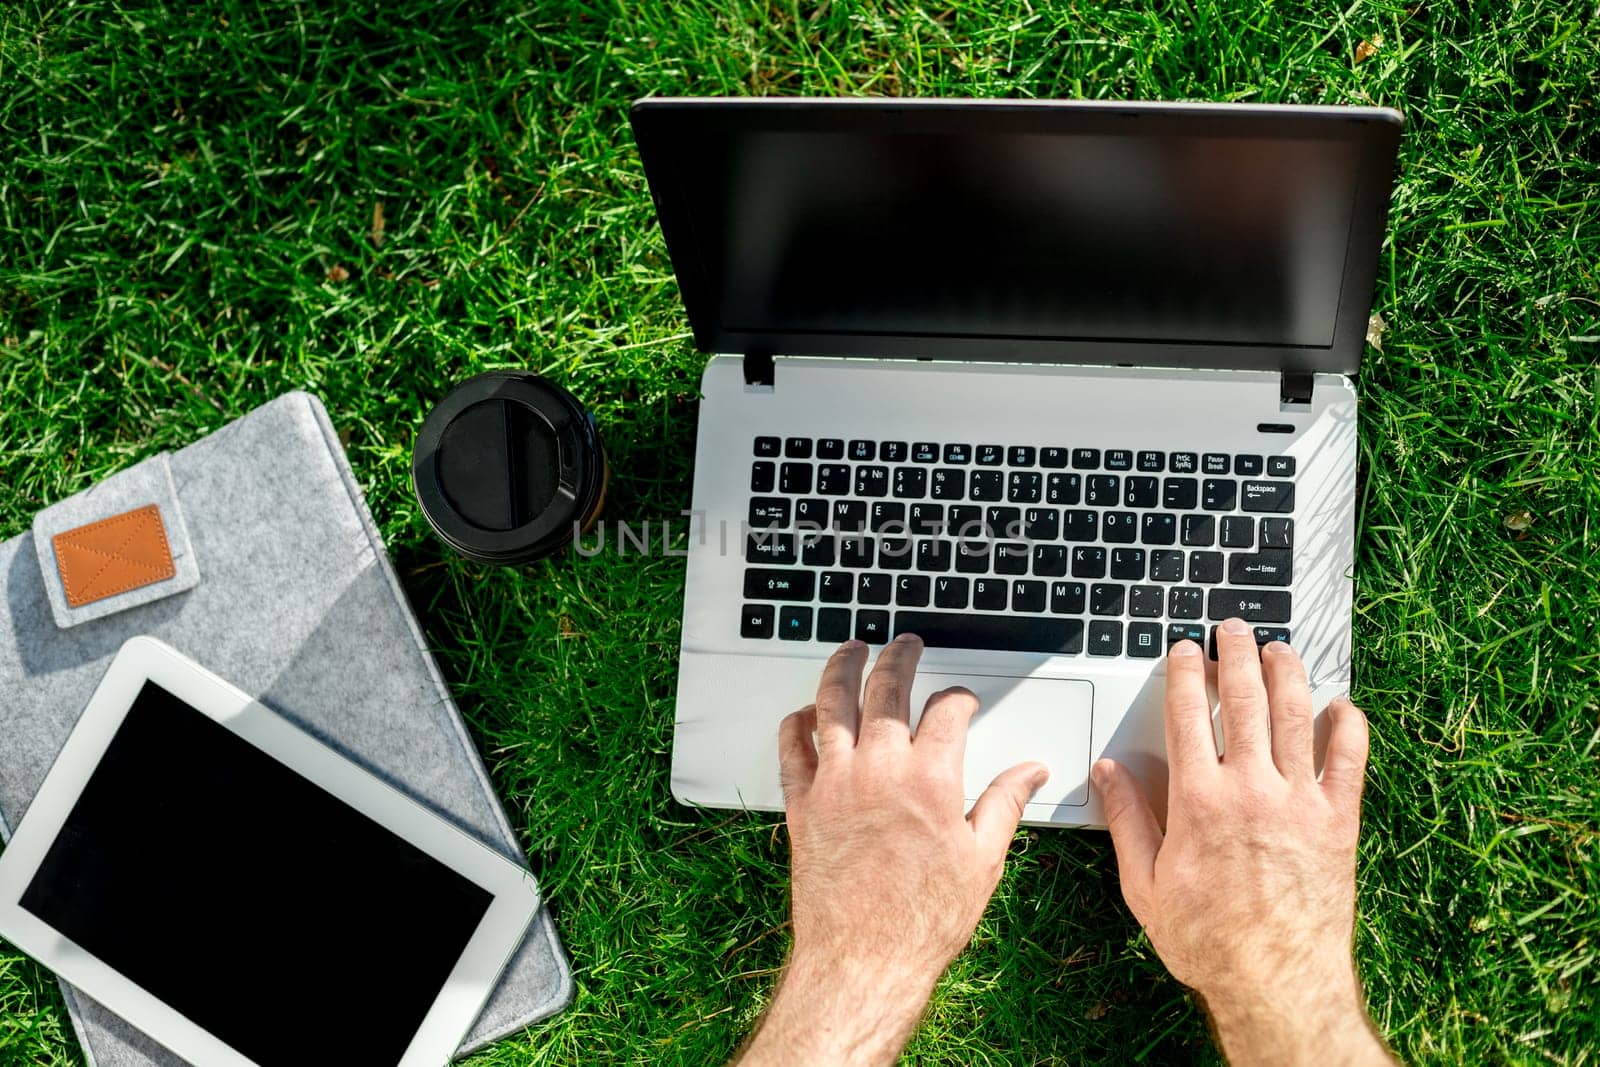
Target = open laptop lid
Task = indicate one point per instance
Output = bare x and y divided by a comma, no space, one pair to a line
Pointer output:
1189,235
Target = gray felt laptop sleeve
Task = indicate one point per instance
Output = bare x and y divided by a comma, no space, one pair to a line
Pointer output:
295,603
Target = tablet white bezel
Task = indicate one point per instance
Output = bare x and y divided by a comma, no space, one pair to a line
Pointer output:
462,995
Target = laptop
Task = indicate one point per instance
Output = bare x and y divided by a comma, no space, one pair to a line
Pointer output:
1050,384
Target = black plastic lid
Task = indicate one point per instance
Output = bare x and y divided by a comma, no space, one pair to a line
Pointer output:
505,465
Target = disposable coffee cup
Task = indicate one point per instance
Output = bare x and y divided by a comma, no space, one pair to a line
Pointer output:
509,468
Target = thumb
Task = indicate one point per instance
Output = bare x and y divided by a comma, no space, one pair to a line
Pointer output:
1134,831
995,816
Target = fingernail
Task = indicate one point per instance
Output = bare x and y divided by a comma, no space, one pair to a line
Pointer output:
1275,648
1100,773
1235,627
906,639
852,645
1184,648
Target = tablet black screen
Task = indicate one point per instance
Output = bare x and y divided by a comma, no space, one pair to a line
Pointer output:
248,898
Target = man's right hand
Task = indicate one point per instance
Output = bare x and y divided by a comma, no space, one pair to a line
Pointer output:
1249,896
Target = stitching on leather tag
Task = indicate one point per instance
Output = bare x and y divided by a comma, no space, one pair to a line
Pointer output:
115,555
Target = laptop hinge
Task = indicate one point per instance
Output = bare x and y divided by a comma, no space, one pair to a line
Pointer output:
1294,387
758,368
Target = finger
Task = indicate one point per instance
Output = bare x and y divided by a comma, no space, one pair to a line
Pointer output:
1134,832
1191,747
1289,701
942,730
886,705
797,754
839,699
1345,768
995,816
1244,695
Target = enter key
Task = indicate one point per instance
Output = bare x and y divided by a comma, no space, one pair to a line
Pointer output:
1268,567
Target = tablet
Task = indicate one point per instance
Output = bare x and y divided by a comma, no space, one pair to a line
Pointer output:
246,895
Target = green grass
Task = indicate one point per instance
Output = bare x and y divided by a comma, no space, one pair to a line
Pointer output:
187,199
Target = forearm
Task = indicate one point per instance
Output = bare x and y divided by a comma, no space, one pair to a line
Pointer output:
1318,1024
827,1011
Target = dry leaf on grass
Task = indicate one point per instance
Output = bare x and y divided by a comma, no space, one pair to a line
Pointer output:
377,224
336,273
1519,521
1369,48
1375,328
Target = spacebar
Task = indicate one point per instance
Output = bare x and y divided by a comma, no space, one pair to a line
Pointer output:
1013,633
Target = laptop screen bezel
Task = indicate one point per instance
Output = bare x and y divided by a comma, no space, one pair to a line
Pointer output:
666,129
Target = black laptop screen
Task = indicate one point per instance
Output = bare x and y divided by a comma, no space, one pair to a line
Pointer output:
1097,237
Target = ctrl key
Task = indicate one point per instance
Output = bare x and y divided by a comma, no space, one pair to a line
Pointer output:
756,621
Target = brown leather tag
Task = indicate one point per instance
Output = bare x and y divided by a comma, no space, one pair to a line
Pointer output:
114,555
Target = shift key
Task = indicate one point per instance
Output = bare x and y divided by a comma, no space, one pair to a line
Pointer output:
761,584
1251,605
1267,567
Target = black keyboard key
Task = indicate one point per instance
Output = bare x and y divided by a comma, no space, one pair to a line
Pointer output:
857,551
833,625
763,476
863,451
764,584
888,515
927,519
1267,634
934,556
1186,631
1068,598
1199,531
830,448
849,516
949,484
895,554
1205,567
1247,466
1147,601
1219,494
1127,564
1144,640
1107,598
872,627
911,591
1054,458
990,455
950,592
818,550
1251,605
1041,524
1004,522
1050,561
1027,595
1270,566
1280,467
769,512
833,479
1105,638
924,452
795,479
1158,528
1238,531
797,447
1152,462
1080,525
1119,459
1020,456
1100,490
809,513
1031,633
1275,497
1025,487
1089,562
1215,463
1166,565
836,587
872,481
1086,459
873,588
1063,489
958,453
1183,462
966,520
770,549
972,557
893,451
989,594
755,621
1186,602
794,624
1277,533
988,485
1119,527
1011,557
768,446
1141,492
1180,494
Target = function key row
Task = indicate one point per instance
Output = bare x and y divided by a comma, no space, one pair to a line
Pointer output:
1115,459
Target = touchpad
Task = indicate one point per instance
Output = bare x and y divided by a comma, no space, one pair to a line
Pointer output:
1021,719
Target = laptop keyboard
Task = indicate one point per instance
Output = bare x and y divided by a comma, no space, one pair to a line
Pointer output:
1015,547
